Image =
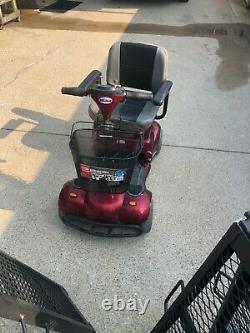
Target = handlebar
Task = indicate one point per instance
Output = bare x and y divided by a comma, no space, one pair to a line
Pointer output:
78,91
93,81
94,77
74,91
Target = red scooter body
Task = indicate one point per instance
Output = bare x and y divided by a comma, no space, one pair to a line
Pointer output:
121,208
108,214
112,214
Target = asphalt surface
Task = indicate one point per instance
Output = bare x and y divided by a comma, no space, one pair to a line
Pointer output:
200,181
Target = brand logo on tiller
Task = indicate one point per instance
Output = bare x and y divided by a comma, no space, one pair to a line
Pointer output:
105,100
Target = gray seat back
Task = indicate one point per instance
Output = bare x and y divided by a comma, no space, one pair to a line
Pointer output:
137,65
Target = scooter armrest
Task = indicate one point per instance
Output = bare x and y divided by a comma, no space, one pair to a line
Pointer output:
162,92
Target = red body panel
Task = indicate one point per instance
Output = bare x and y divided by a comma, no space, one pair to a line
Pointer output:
107,104
105,207
151,141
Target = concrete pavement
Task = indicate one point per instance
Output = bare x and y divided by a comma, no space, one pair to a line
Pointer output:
200,181
160,12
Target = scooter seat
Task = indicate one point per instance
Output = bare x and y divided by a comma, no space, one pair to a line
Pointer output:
133,113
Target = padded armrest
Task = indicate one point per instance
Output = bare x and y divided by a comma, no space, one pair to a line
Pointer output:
162,93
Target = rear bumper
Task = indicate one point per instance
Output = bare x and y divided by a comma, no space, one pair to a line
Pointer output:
104,229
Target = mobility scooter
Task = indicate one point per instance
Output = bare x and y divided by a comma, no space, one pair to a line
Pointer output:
113,154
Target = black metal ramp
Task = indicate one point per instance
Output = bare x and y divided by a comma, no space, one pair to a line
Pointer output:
217,299
30,298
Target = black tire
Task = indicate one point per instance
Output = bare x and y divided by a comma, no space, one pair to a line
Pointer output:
146,227
247,4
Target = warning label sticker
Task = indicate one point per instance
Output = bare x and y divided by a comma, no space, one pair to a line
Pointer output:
110,175
85,170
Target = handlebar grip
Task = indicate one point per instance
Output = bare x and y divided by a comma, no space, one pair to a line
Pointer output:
84,87
74,91
139,95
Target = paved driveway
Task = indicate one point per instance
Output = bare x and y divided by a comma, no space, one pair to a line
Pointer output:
200,181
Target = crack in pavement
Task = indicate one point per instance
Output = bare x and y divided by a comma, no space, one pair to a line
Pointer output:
164,144
207,149
26,67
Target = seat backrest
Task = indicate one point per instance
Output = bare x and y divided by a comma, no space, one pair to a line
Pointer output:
137,65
